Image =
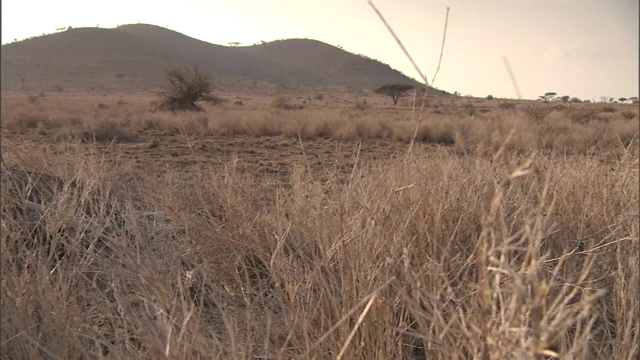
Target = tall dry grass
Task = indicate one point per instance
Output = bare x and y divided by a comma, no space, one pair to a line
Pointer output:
580,128
440,255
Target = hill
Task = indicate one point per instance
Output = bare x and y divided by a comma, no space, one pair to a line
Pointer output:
136,57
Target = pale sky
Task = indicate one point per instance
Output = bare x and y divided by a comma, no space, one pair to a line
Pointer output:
582,48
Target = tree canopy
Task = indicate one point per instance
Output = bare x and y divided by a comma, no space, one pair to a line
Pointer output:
394,91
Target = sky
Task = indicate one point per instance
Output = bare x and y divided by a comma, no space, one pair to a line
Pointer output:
581,48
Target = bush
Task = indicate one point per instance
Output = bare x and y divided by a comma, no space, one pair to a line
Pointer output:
629,115
490,97
469,109
185,88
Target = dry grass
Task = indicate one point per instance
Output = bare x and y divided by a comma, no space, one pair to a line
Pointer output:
493,246
576,129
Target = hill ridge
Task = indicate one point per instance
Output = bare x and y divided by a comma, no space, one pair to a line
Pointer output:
135,57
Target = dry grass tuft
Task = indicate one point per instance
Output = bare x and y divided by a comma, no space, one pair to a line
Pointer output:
438,255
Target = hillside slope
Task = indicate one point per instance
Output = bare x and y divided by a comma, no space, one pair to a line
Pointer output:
136,57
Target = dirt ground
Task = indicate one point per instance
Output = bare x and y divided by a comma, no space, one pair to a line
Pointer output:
156,151
272,157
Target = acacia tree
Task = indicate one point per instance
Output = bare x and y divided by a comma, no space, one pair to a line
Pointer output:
547,96
394,91
185,88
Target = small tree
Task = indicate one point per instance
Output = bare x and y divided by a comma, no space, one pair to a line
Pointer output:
394,91
565,98
185,88
548,96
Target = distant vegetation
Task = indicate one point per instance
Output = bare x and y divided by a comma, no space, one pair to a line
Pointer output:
185,88
394,91
575,128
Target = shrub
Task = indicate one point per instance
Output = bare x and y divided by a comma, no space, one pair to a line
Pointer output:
490,97
608,109
185,88
469,109
629,115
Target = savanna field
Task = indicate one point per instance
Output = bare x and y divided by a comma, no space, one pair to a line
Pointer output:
318,226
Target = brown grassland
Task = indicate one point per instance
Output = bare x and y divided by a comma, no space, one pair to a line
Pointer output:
347,229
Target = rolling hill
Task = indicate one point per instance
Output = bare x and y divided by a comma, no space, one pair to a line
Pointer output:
136,57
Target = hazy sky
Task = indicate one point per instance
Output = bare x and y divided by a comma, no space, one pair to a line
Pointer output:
583,48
